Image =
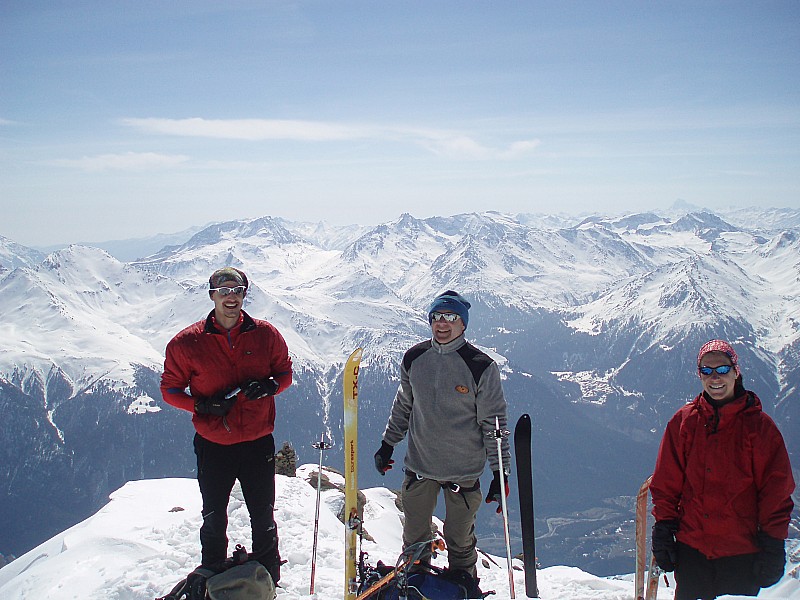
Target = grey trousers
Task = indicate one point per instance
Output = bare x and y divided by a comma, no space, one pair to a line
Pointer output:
419,501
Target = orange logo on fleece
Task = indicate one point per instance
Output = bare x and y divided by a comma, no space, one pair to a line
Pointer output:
462,389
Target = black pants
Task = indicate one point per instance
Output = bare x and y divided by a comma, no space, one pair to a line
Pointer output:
218,468
699,577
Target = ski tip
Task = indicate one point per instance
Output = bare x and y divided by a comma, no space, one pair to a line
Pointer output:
356,355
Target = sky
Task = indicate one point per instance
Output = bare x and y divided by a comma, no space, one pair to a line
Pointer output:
121,120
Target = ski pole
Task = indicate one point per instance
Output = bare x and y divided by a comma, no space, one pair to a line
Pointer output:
499,434
321,445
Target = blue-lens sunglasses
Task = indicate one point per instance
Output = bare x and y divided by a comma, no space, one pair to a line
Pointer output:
721,370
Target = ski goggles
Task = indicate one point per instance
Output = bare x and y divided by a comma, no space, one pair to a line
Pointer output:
720,370
239,290
449,317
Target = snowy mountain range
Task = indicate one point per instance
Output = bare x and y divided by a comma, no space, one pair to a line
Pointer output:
595,323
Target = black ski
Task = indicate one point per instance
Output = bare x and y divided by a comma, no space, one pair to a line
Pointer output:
523,451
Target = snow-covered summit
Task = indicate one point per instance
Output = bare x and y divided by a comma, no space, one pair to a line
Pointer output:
146,539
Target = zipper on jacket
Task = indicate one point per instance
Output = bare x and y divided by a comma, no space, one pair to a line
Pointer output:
714,421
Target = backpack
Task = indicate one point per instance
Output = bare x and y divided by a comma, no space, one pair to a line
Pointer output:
249,581
423,585
236,579
426,583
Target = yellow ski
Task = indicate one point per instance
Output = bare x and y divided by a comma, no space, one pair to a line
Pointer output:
353,521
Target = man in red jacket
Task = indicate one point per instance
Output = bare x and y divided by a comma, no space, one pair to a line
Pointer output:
233,366
721,488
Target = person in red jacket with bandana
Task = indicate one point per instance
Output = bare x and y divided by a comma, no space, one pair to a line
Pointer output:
233,366
721,488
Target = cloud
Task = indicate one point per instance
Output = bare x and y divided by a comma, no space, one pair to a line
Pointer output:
129,161
522,147
251,129
456,145
449,144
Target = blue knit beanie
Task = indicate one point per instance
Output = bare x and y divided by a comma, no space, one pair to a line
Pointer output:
453,302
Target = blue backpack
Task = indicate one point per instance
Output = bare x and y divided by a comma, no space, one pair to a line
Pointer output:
426,583
433,586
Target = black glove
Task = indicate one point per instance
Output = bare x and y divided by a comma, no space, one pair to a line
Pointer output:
258,388
217,404
383,458
493,495
770,561
664,546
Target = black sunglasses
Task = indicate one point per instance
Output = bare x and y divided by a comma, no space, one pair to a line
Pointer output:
449,317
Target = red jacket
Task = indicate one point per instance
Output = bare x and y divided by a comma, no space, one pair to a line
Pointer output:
724,474
208,359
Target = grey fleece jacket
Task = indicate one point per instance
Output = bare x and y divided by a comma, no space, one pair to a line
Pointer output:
446,414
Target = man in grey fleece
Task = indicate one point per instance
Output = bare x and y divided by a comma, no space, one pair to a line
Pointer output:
447,401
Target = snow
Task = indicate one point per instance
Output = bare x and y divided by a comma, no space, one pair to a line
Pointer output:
326,287
595,387
146,539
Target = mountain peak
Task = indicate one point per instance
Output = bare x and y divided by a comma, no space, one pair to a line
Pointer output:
704,223
13,255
